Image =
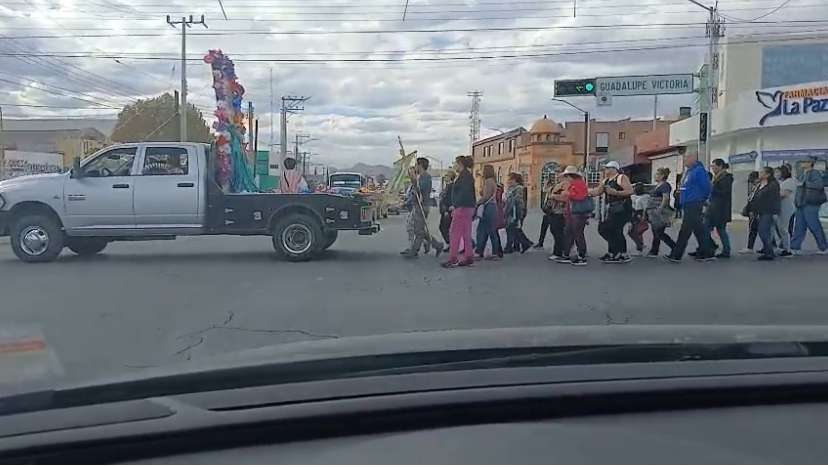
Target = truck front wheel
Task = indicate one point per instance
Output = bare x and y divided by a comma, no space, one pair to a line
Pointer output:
36,238
86,246
297,237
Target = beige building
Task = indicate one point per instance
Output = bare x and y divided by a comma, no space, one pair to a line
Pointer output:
536,154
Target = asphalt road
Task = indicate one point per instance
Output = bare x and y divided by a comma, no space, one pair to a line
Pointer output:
147,304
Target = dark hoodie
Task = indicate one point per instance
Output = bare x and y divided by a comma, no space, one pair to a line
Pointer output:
719,211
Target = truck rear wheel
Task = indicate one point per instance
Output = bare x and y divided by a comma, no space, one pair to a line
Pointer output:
330,237
86,246
297,237
37,238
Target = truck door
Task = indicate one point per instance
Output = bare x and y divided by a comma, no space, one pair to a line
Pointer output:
102,197
167,187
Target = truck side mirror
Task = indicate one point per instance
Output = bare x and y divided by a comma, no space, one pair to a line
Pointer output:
76,168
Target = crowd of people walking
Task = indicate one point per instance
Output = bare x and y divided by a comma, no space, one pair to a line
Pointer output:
780,210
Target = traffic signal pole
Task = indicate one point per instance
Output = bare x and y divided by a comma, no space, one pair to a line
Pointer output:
586,141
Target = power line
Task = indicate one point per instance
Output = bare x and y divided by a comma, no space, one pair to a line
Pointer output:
39,106
491,56
246,32
781,5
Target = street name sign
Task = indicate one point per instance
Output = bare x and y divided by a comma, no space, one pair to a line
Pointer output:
645,85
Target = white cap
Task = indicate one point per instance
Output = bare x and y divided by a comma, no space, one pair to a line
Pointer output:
571,170
613,165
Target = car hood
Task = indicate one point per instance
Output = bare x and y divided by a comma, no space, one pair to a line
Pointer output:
28,179
493,339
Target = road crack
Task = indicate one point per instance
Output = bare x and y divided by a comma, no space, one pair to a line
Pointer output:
225,326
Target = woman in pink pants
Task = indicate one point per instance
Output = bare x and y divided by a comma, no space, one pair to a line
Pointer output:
463,206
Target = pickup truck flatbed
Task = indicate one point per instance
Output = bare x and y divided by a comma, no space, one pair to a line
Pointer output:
161,190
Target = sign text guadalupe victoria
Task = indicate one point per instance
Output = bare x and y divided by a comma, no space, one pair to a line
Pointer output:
645,85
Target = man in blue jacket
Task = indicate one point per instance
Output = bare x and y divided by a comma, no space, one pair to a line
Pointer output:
695,191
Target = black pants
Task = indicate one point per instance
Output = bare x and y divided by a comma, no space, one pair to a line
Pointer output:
545,223
554,223
445,224
753,230
660,235
693,224
612,230
516,239
575,235
765,227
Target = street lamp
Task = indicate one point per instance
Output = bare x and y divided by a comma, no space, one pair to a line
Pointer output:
586,129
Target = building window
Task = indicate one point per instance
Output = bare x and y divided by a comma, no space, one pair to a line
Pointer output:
500,148
548,137
490,150
622,136
539,138
601,142
511,145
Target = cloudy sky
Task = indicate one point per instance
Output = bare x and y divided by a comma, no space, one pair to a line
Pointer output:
371,76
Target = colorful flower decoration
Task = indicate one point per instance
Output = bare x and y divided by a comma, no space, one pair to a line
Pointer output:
232,171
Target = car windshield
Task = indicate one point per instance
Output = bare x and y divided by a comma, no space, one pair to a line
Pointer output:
283,174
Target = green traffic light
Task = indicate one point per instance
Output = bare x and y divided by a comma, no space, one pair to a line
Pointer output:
590,87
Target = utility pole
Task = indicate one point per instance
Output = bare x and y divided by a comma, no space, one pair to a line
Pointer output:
251,155
270,144
182,108
586,142
301,139
474,119
290,105
714,30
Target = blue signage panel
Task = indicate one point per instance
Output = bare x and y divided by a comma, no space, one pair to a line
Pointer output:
743,158
794,154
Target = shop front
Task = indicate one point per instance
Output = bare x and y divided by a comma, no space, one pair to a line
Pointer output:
766,127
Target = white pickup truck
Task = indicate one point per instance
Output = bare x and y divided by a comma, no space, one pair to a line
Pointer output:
157,191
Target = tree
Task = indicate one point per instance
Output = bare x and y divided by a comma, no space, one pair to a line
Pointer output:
156,119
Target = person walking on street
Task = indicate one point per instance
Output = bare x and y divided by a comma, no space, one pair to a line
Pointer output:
546,207
810,195
695,192
766,203
617,190
516,239
487,216
554,217
659,213
445,206
753,219
787,191
462,213
638,223
719,212
418,211
579,207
